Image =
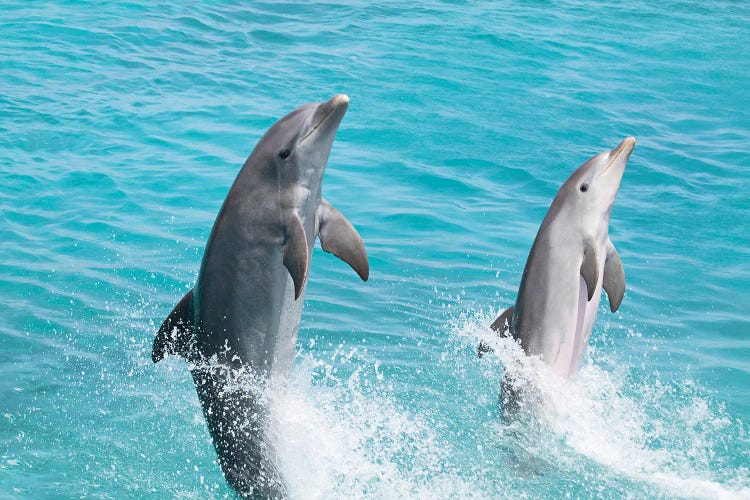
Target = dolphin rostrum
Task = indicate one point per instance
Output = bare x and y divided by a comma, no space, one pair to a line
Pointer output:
237,327
571,260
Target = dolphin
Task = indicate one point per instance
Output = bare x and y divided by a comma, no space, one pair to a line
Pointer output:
237,327
571,261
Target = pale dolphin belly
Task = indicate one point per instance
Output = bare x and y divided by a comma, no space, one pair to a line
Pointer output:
587,312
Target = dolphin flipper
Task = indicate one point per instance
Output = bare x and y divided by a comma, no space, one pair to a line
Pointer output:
501,325
590,268
338,236
175,336
296,258
614,278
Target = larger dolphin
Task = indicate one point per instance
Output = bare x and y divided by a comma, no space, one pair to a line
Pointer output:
238,326
571,260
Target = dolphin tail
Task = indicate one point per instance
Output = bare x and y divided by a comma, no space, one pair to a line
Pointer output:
501,325
175,336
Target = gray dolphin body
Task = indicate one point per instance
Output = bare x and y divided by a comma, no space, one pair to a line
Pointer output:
238,326
571,260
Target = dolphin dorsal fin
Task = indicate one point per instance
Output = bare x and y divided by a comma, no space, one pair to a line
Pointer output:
338,236
296,256
175,336
501,325
614,278
590,268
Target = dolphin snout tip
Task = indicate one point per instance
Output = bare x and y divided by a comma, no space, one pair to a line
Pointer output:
622,150
339,100
627,144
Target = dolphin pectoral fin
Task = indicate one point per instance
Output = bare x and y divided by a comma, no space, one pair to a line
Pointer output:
501,325
614,278
296,256
338,236
175,335
590,269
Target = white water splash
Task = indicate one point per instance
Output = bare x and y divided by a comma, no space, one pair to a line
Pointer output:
650,433
342,428
347,440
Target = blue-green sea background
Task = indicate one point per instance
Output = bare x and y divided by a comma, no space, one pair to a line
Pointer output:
123,124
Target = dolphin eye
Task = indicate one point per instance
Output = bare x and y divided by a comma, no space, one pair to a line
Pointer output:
284,154
584,187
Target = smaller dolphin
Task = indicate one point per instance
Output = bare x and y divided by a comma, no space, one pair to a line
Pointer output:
570,262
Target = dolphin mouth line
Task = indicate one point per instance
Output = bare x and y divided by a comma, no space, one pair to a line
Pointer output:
623,145
316,127
321,122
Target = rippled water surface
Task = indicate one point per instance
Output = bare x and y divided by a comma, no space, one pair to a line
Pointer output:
123,124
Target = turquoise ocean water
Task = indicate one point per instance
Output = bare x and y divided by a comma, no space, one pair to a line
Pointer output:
123,124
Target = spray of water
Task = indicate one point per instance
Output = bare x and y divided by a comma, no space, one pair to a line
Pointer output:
651,432
347,438
345,426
